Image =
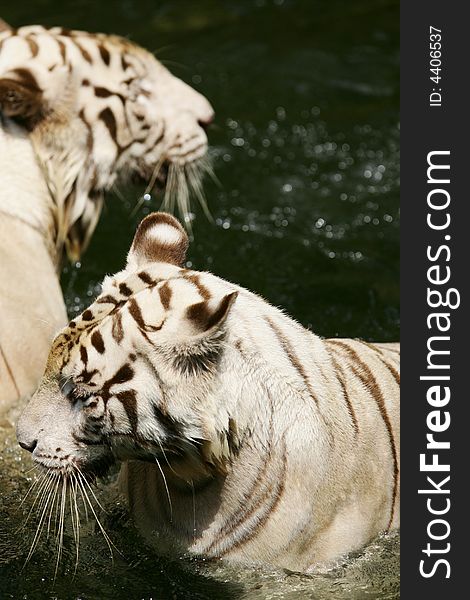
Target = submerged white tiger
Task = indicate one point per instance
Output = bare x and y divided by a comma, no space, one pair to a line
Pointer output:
77,110
242,435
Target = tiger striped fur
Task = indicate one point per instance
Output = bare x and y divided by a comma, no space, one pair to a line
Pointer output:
77,110
242,434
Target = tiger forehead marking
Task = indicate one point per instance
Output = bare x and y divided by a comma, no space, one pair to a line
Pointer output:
125,297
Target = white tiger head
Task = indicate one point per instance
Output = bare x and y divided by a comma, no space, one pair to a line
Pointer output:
133,376
97,106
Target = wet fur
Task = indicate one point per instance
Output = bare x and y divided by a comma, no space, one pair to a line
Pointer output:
242,434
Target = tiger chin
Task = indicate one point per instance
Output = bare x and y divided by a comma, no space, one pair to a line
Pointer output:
242,435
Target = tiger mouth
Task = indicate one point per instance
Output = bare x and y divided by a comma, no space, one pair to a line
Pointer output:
180,182
90,468
107,455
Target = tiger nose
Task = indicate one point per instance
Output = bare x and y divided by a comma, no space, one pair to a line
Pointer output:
206,120
27,432
189,100
28,445
202,110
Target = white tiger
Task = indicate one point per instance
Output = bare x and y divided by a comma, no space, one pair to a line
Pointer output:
76,110
242,434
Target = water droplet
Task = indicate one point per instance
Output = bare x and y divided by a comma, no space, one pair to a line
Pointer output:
238,142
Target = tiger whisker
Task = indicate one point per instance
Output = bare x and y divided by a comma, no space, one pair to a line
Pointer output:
162,49
207,166
60,533
66,380
51,501
74,511
169,191
43,511
56,490
181,181
72,515
31,487
150,186
50,493
108,540
44,482
165,456
116,190
44,493
92,492
77,511
182,194
57,510
173,63
194,510
138,205
166,488
33,468
195,181
153,179
84,502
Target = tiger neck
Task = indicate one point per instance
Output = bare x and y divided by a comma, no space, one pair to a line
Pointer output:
24,194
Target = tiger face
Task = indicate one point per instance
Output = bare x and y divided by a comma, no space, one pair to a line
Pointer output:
131,378
97,106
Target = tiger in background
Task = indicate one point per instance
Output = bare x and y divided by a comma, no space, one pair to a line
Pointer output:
242,434
77,110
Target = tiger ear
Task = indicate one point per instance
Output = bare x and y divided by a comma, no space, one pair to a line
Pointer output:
159,238
4,26
204,317
197,345
21,98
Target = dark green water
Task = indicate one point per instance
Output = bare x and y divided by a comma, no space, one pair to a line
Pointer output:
305,146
